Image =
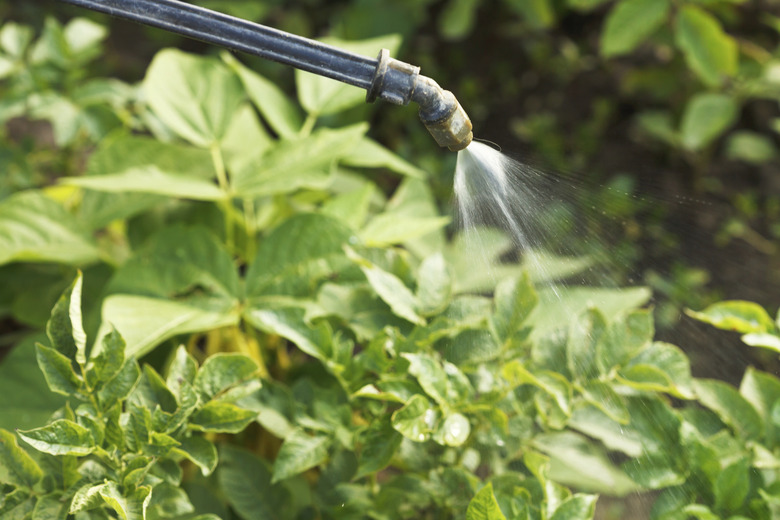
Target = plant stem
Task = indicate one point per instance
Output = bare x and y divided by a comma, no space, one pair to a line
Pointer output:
226,202
308,125
250,222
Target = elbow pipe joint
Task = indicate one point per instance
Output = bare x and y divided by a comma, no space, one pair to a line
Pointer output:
399,83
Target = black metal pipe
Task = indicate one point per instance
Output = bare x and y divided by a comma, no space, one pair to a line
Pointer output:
384,77
241,35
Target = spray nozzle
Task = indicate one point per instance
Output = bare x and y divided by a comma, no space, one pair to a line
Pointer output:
398,82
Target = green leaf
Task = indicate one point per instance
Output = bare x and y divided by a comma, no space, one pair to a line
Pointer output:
553,383
130,506
17,468
290,324
730,406
627,334
17,505
367,153
222,371
660,367
537,13
416,419
472,346
576,507
739,316
484,505
389,228
107,364
120,386
710,52
150,179
629,23
295,256
245,479
770,341
146,322
87,497
434,285
430,375
706,117
299,452
34,228
585,333
379,444
299,163
25,398
64,328
282,115
556,305
194,96
200,451
351,207
50,507
390,288
605,398
732,485
219,417
168,501
321,96
762,390
515,298
57,370
453,431
750,147
61,437
457,19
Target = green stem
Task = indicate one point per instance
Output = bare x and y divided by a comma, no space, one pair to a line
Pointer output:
308,125
224,185
250,222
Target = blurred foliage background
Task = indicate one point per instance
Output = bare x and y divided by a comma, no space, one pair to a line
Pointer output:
661,117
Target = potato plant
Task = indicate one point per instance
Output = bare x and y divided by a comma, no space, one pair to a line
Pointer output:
245,325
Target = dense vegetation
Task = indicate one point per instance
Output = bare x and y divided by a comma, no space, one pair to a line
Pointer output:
222,297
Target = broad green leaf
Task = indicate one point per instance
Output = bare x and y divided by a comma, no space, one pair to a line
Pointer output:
120,386
576,507
50,507
585,5
414,199
454,430
107,364
15,38
515,298
17,468
654,471
585,333
710,52
351,207
730,406
299,163
367,153
151,392
484,506
557,305
457,19
130,506
146,322
283,116
751,147
537,13
707,115
221,417
660,367
431,376
389,228
770,341
603,396
434,285
593,422
390,288
222,371
739,316
151,179
245,480
182,369
297,255
762,390
289,323
321,96
732,485
25,398
87,497
552,383
629,23
246,139
379,443
194,96
200,451
659,124
472,346
299,452
416,419
627,334
65,329
57,370
34,228
576,461
169,500
17,505
61,437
